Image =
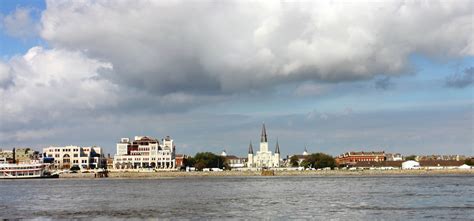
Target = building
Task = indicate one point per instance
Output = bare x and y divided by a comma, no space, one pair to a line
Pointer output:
19,155
69,156
441,157
393,157
299,157
180,160
6,155
234,162
354,157
263,157
145,152
410,165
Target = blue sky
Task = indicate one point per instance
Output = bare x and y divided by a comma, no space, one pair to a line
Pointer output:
392,76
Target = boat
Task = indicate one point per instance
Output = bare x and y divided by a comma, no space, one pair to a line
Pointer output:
24,171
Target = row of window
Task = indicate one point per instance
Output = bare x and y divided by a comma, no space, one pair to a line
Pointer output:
63,150
144,159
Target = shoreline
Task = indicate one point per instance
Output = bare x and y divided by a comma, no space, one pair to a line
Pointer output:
287,173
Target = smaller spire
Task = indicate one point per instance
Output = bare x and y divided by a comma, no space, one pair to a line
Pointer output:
277,148
250,148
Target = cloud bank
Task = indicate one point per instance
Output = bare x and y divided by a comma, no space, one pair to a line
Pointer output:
112,59
232,46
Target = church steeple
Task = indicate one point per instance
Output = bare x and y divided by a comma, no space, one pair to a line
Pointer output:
263,137
277,148
250,148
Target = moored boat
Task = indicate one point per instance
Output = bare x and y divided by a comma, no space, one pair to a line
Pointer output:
24,171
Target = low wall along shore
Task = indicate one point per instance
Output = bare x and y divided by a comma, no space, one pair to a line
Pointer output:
164,174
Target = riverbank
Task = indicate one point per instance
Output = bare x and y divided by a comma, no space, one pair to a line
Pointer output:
171,174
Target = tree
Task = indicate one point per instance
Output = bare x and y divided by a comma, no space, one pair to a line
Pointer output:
411,157
469,162
209,160
319,160
294,161
306,163
189,161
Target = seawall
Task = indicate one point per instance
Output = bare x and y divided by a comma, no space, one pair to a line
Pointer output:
170,174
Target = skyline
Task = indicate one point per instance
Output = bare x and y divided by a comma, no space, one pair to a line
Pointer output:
394,76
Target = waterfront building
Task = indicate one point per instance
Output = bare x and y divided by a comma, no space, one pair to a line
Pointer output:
393,157
233,161
19,155
300,157
354,157
263,157
72,156
145,152
410,165
441,157
180,160
6,155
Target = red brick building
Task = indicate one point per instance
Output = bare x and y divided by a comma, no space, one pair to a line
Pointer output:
354,157
180,160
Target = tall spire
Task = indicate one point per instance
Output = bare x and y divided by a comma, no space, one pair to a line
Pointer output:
277,148
250,148
263,137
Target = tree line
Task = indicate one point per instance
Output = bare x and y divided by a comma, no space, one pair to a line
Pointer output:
315,160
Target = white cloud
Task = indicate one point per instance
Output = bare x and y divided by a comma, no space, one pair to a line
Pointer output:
52,84
208,47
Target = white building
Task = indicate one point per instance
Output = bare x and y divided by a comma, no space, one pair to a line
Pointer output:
68,156
145,152
264,157
410,165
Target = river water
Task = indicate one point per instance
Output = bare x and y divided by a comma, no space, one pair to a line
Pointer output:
275,198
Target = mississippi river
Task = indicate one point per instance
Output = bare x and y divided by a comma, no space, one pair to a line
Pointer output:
280,198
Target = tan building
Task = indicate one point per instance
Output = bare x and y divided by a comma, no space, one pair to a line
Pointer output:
69,156
145,152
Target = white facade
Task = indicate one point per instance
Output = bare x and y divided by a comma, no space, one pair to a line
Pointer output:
145,152
263,157
68,156
410,165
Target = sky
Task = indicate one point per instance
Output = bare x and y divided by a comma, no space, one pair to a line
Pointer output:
331,76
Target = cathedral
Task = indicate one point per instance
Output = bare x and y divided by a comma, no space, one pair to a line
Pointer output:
263,157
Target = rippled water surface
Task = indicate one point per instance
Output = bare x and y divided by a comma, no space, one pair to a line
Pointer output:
399,198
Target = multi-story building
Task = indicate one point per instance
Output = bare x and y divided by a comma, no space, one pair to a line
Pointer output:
145,152
6,155
354,157
69,156
19,155
264,157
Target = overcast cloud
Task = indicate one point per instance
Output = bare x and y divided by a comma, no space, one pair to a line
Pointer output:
131,59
